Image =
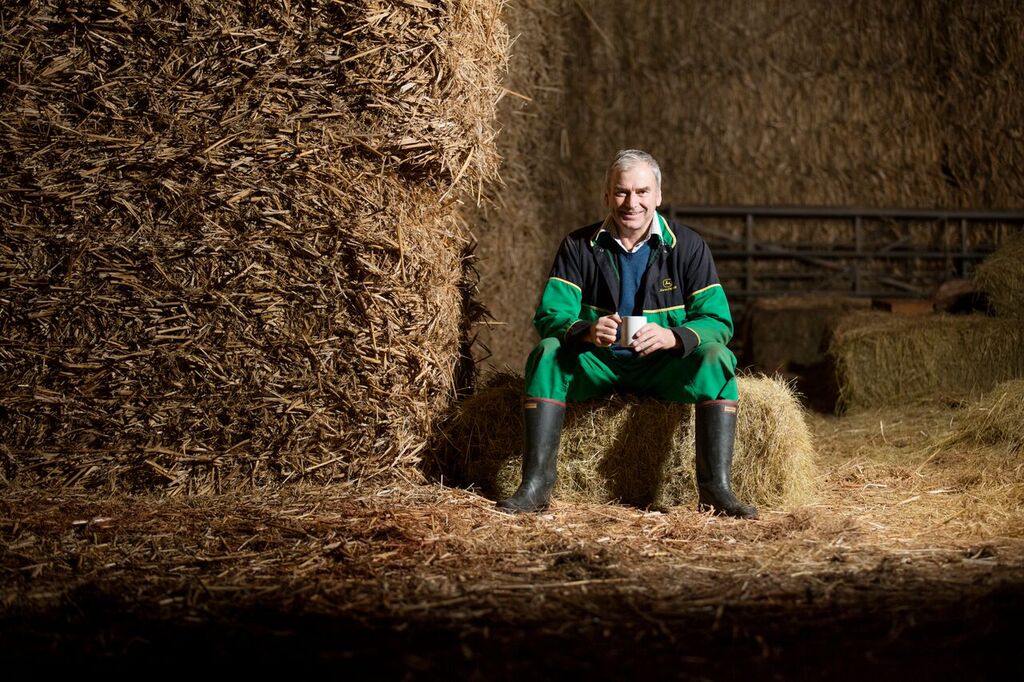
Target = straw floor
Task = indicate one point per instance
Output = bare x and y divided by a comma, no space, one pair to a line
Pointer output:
912,559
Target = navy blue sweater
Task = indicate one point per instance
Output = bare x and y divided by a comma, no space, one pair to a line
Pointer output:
631,273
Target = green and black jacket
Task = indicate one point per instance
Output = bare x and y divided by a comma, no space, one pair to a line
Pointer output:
680,289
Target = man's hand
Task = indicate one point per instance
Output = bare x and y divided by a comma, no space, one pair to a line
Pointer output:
652,338
604,331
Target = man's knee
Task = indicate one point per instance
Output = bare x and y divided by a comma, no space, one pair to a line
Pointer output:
544,355
550,345
549,370
715,355
546,350
714,373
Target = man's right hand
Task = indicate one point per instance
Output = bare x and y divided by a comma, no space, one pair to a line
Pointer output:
605,330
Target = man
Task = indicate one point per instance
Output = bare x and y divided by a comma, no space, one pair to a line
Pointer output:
632,263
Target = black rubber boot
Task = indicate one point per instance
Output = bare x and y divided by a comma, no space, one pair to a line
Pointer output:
715,436
543,430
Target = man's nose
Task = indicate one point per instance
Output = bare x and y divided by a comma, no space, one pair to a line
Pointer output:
633,199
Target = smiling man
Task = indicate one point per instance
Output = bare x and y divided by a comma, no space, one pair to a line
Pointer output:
634,263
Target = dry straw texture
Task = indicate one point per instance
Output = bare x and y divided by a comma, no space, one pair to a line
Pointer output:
637,451
898,531
520,222
872,103
996,419
231,250
883,359
867,103
1001,277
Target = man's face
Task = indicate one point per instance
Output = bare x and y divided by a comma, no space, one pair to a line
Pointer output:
632,196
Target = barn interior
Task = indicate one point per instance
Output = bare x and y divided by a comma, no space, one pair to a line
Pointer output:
267,276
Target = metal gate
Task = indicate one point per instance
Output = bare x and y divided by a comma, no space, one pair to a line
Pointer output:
879,252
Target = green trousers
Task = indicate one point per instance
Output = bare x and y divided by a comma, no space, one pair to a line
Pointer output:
561,374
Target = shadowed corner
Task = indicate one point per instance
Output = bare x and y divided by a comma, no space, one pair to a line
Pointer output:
476,443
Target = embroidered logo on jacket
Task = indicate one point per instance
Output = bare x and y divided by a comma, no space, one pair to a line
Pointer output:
667,285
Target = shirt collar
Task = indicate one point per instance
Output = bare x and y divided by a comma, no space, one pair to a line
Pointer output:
611,229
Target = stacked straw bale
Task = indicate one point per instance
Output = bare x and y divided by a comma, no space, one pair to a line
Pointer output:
750,103
231,248
637,451
1001,277
982,100
799,103
870,103
518,220
884,359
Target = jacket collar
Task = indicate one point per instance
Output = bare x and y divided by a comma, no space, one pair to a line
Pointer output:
659,228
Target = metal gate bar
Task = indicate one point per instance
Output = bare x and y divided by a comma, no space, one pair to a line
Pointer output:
843,262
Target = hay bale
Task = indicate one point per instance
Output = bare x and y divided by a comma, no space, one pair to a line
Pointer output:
982,106
1001,277
884,359
996,418
232,252
513,220
793,330
637,451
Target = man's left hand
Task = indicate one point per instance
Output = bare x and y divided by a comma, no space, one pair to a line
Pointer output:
652,338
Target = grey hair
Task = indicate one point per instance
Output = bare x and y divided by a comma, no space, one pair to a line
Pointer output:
627,158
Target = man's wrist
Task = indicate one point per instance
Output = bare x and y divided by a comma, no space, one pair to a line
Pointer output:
578,332
687,340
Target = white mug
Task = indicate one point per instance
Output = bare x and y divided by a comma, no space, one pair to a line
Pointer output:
630,325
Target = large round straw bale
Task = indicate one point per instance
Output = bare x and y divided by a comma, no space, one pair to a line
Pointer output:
1001,277
885,359
636,450
231,250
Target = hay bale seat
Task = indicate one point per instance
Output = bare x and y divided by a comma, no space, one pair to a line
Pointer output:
635,450
884,359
